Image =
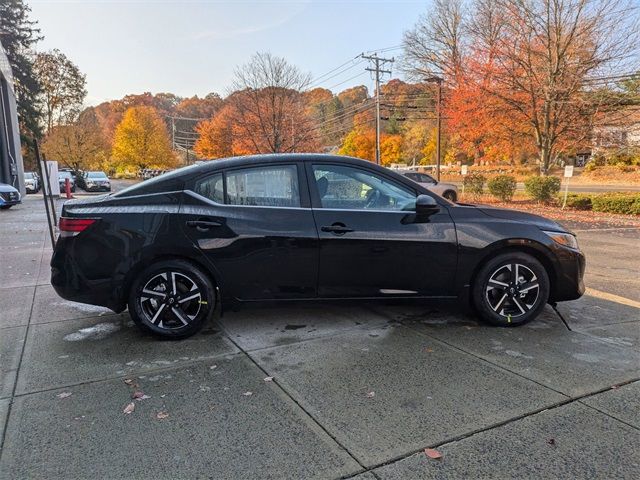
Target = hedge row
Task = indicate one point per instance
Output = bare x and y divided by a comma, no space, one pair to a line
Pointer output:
546,189
625,203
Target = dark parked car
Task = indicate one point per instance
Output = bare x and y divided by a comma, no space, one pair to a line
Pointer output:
31,182
9,196
303,227
94,182
62,178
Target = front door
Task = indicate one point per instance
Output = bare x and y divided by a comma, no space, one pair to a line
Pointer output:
370,243
255,227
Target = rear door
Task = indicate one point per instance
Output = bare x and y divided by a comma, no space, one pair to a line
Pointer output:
370,245
255,226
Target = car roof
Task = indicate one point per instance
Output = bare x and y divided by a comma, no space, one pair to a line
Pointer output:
173,179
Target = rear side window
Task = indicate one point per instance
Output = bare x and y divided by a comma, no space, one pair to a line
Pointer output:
212,188
271,186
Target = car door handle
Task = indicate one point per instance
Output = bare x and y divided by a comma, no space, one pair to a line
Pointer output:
337,229
203,224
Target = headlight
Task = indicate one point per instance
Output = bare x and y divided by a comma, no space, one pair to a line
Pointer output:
565,239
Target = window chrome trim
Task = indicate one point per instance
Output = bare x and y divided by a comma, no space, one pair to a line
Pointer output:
224,205
227,205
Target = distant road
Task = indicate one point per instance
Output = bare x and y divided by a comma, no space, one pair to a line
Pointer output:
596,188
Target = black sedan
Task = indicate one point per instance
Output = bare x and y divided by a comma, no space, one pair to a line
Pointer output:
175,248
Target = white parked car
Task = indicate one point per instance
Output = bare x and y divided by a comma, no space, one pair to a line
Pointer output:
446,190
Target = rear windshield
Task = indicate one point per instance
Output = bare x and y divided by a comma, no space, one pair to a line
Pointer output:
151,185
28,175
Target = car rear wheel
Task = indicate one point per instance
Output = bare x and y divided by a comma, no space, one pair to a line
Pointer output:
172,299
510,290
450,195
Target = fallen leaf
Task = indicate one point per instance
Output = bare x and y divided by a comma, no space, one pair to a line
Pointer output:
429,350
161,415
371,394
268,379
432,453
143,397
551,441
247,394
137,394
63,395
128,381
129,408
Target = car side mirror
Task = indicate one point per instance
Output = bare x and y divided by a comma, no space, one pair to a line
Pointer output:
426,206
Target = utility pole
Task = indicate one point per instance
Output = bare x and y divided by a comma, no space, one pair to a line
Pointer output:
438,82
173,133
377,67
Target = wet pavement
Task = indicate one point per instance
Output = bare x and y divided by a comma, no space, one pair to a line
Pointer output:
319,391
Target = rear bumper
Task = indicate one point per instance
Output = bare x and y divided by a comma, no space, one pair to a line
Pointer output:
70,282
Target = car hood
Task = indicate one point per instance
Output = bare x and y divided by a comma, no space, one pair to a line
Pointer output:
523,217
7,188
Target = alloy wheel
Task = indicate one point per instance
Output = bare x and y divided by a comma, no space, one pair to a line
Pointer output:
512,290
170,300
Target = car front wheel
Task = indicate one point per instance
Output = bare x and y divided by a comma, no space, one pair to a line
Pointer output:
172,299
510,290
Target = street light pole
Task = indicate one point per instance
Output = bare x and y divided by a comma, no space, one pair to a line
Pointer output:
438,82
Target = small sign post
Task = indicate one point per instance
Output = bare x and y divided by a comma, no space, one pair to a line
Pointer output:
568,173
464,169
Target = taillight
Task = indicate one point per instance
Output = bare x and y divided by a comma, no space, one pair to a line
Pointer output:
70,227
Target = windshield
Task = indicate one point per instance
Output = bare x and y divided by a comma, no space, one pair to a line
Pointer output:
420,177
96,175
28,176
64,175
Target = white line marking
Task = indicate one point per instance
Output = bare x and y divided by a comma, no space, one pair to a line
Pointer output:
612,298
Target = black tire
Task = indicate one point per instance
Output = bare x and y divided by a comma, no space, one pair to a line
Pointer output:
5,207
450,195
499,300
193,311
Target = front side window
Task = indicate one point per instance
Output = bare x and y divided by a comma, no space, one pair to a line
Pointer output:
272,186
211,188
349,188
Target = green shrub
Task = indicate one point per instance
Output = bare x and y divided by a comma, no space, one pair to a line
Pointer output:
502,187
474,183
542,189
624,203
579,201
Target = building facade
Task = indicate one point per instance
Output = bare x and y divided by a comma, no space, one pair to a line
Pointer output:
11,167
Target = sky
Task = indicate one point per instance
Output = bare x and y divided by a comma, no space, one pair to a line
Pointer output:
192,47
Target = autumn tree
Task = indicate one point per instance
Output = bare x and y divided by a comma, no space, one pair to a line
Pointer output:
141,140
435,44
268,107
218,137
19,34
522,68
79,145
63,87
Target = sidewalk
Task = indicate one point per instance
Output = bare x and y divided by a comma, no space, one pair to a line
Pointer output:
322,391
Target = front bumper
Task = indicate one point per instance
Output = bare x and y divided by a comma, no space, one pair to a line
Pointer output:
9,200
569,281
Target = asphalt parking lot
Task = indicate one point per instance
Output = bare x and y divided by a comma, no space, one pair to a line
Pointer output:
322,391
